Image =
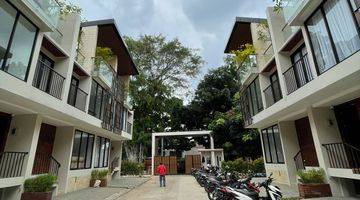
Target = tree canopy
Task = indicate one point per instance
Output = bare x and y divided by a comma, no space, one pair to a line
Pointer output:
165,68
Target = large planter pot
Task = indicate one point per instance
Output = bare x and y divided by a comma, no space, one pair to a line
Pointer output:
314,190
103,182
36,195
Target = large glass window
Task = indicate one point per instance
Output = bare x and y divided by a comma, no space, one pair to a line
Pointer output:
102,152
355,4
17,36
97,100
82,150
272,145
7,20
254,97
333,33
320,40
342,28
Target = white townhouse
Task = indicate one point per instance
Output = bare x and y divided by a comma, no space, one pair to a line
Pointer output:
302,89
60,111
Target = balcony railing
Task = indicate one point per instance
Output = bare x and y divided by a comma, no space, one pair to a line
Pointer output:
272,93
77,97
48,80
299,162
291,7
105,73
80,58
245,109
44,164
344,156
128,127
11,164
298,74
49,10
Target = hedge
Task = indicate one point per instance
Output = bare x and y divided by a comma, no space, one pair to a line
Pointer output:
131,168
243,166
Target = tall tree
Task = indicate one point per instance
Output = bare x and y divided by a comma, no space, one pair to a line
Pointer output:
165,69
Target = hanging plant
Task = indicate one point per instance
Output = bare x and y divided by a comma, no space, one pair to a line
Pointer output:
242,55
68,8
263,31
103,54
278,6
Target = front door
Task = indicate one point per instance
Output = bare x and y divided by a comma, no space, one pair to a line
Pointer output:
5,120
306,142
44,149
348,119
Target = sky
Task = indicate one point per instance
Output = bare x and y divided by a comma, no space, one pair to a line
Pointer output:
198,24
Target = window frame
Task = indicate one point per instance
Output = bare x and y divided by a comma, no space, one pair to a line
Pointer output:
103,93
9,45
266,131
333,47
86,150
251,96
106,152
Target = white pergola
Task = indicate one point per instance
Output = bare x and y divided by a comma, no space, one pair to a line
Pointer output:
185,134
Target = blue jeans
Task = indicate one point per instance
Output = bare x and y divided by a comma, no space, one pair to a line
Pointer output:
162,180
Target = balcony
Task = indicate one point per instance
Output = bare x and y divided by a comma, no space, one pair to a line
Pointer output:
105,73
47,10
77,97
298,74
272,93
249,67
297,11
48,80
11,164
80,58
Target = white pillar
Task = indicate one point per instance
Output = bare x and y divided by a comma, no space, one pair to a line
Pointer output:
152,153
25,138
212,147
62,151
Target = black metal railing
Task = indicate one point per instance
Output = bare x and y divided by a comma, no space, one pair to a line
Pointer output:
343,155
48,80
128,127
299,161
44,164
77,97
272,93
11,164
298,74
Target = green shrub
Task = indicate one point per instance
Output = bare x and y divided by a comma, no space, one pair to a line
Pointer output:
131,168
99,174
42,183
311,176
243,166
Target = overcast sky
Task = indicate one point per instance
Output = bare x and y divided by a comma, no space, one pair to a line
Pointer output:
200,24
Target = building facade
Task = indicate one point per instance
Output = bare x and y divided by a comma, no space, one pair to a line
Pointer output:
304,98
63,109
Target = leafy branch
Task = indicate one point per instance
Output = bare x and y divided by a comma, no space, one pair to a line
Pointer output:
243,54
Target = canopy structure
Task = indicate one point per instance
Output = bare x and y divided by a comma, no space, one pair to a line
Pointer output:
184,134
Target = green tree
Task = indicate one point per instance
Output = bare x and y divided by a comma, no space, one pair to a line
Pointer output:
216,107
165,68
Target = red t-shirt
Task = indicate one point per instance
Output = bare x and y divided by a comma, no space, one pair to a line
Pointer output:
161,170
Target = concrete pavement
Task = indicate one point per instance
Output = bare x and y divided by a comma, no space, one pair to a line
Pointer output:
177,188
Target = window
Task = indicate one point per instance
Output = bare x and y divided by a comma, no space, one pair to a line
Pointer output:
302,71
82,150
17,39
275,86
272,145
251,101
97,100
355,4
102,152
333,33
43,74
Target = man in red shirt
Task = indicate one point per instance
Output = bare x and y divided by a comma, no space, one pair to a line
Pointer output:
161,170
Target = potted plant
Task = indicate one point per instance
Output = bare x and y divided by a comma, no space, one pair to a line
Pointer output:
312,184
99,175
39,188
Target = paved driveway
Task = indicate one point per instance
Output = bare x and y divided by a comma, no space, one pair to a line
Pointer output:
177,188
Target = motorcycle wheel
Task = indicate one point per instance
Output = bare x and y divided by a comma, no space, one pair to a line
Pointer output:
212,195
